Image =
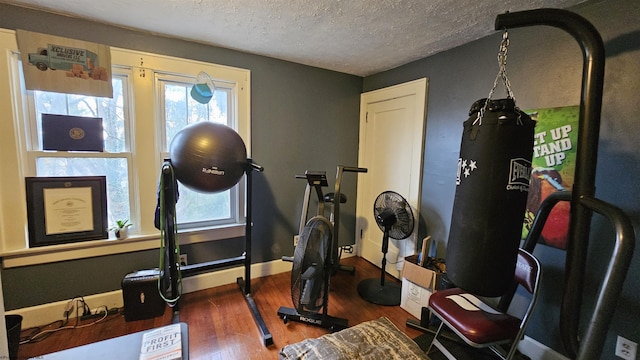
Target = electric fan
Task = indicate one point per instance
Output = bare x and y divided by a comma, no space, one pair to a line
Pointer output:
395,218
310,270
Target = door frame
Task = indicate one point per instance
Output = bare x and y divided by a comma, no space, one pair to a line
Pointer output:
417,88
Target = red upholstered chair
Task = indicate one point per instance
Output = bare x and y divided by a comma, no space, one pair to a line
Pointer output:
481,325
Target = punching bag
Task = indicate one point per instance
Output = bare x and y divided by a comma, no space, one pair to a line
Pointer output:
494,168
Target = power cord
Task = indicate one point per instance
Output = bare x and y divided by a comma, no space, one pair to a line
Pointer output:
82,312
80,306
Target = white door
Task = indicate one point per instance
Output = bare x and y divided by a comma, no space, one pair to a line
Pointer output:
392,124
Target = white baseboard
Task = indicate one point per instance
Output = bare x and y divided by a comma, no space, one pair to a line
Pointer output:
537,351
50,312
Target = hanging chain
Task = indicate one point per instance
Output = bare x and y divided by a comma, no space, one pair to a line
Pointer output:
502,74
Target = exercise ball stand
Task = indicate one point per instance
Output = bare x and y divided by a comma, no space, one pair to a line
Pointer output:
173,268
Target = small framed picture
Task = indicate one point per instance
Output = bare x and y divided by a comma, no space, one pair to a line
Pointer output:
66,209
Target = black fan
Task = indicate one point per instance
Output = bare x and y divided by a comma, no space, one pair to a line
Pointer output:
395,218
309,272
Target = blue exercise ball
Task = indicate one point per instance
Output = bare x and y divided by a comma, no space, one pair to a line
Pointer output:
208,157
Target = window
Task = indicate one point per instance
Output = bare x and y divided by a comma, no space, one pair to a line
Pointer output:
112,163
151,103
179,110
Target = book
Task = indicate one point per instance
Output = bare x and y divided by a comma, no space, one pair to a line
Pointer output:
163,343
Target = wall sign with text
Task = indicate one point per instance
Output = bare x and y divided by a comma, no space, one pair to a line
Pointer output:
58,64
553,167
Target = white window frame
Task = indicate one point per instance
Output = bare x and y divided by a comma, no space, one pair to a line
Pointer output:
34,151
237,207
146,155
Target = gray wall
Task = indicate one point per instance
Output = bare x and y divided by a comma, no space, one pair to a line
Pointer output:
544,66
302,118
315,105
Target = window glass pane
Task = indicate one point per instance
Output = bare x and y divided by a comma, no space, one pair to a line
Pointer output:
82,105
175,109
111,110
115,170
197,207
181,110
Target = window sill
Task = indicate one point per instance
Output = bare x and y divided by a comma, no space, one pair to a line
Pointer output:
87,249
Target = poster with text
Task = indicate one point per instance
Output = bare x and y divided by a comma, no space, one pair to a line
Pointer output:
553,167
57,64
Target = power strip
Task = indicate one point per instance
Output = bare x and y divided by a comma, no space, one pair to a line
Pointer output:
99,314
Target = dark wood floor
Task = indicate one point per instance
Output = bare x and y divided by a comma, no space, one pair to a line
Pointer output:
221,325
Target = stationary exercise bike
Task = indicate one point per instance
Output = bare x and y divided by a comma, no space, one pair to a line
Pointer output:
316,257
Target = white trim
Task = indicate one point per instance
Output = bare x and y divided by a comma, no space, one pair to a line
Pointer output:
416,90
50,312
80,250
537,351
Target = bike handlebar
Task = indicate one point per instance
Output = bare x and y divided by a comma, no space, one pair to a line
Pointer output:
353,169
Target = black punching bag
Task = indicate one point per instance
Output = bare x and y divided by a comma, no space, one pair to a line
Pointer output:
491,196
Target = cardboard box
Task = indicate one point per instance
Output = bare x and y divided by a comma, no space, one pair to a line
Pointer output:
418,283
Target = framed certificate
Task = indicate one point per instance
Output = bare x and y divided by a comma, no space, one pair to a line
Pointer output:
66,209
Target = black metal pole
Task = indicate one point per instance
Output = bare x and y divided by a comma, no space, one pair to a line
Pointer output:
385,249
586,156
607,298
249,168
336,215
248,232
245,285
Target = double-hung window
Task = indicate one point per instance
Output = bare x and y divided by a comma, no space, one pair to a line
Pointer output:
179,109
151,103
113,163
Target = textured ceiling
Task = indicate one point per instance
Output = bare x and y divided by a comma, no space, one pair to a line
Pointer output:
359,37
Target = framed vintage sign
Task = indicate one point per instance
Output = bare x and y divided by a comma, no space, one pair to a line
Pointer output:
66,209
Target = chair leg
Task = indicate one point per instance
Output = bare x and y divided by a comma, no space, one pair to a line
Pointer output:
434,337
444,350
439,345
512,350
499,352
502,351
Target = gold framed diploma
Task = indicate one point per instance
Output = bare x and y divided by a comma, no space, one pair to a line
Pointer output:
66,209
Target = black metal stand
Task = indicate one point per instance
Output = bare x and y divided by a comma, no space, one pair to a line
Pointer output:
320,320
317,180
173,268
376,291
380,294
583,204
317,319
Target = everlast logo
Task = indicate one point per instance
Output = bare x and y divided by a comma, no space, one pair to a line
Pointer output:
213,171
519,174
524,267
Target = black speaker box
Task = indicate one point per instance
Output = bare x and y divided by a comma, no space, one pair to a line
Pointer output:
140,295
